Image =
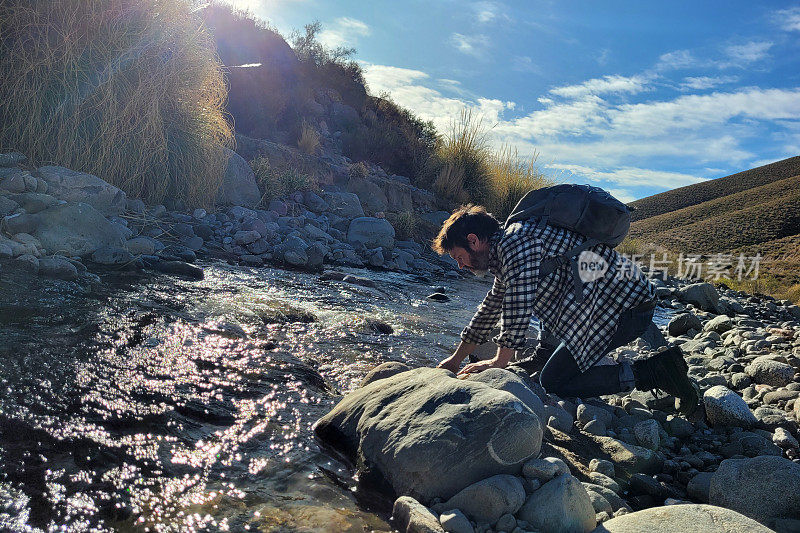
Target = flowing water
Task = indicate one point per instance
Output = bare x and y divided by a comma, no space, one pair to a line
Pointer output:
150,403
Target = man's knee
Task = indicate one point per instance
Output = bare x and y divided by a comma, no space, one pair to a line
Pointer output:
549,380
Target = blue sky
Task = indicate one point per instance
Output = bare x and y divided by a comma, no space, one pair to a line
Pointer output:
637,97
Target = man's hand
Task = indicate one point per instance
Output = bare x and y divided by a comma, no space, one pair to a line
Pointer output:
480,366
500,360
451,363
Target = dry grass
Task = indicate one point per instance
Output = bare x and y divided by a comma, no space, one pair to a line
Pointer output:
128,90
511,177
277,181
407,225
309,140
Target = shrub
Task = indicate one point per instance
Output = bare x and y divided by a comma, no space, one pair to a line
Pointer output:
309,140
406,226
277,181
128,90
358,170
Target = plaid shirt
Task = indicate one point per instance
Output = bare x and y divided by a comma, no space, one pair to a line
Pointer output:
515,255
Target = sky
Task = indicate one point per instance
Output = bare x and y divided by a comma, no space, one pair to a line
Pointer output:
637,97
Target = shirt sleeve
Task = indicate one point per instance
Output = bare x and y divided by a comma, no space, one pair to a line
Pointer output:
487,315
520,257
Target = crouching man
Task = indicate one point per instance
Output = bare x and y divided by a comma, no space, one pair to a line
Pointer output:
608,309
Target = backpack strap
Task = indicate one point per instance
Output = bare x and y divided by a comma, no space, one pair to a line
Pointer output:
546,215
550,264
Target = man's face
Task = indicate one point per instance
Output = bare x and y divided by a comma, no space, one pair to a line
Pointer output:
474,258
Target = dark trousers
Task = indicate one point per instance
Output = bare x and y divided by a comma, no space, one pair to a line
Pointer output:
562,376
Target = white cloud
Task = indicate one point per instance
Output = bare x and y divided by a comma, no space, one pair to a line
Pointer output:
741,55
525,64
344,31
474,45
606,84
706,82
632,176
677,59
486,12
603,57
789,19
623,195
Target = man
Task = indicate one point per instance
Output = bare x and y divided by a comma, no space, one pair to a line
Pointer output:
615,309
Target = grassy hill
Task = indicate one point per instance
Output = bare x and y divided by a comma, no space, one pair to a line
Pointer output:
752,212
698,193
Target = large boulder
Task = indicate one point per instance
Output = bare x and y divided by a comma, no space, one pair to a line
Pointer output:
688,518
504,380
560,506
75,230
73,186
726,408
371,194
770,372
371,232
682,323
702,295
763,488
410,516
239,183
629,457
344,204
430,434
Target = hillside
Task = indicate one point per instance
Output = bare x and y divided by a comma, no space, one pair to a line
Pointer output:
698,193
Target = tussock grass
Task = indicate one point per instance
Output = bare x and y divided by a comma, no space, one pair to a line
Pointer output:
282,180
309,140
466,169
128,90
407,226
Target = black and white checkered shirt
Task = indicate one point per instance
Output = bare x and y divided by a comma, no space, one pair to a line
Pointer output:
515,255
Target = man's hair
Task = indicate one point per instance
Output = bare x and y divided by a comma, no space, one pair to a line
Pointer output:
464,220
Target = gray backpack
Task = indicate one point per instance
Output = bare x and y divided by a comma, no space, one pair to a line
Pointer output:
589,211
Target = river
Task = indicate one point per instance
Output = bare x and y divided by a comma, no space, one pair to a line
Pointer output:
152,403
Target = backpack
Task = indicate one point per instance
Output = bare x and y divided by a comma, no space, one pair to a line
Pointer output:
586,210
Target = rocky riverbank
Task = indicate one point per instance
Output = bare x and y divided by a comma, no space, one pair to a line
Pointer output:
495,452
56,222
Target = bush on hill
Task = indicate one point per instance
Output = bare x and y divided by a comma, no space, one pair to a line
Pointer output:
128,90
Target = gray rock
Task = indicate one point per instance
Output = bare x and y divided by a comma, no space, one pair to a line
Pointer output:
629,457
371,194
687,518
29,263
544,469
12,159
238,186
562,420
454,521
770,372
246,237
679,427
314,203
384,370
602,466
72,186
178,267
504,380
33,202
726,408
431,434
646,433
702,295
560,506
784,439
371,232
58,267
344,204
7,206
112,255
682,323
720,324
410,516
596,427
604,481
699,487
13,180
763,488
488,499
75,230
610,496
600,504
586,413
20,223
143,246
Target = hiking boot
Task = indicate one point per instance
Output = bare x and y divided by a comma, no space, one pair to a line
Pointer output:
666,371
